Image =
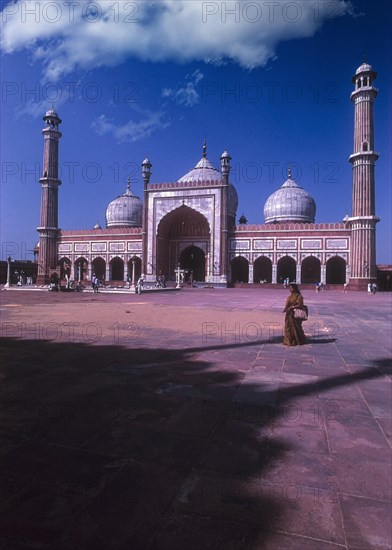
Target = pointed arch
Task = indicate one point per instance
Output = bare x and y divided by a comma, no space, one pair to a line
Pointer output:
179,229
336,271
310,270
262,270
239,270
98,267
286,269
116,269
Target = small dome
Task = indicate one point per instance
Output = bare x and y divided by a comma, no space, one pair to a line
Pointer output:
364,68
97,226
52,113
290,203
125,211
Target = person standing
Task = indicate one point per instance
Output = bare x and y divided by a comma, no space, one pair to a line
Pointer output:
293,332
139,285
94,281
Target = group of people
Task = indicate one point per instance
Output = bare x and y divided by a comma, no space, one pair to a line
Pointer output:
161,282
286,282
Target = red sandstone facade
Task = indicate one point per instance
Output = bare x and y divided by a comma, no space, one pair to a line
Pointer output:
190,224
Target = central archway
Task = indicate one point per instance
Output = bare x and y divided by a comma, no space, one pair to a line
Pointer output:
181,234
193,261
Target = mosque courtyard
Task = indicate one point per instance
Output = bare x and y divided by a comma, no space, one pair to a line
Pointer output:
178,420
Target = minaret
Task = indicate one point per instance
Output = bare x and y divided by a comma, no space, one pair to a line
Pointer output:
48,229
363,219
225,166
146,173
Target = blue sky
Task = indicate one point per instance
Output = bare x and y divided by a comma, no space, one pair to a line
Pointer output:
268,81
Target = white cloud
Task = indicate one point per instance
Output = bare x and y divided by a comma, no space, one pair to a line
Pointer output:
132,130
186,95
69,35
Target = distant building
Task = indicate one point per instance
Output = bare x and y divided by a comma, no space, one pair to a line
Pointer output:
190,224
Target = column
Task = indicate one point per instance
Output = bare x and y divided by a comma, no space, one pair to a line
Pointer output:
298,273
323,274
250,273
274,273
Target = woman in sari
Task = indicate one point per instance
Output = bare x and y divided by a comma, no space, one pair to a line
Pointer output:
293,332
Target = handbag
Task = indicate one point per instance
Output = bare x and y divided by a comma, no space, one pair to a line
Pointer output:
301,313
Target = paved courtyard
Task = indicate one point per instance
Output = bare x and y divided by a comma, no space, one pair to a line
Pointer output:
178,420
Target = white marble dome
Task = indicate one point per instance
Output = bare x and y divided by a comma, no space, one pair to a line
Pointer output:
125,211
290,203
205,171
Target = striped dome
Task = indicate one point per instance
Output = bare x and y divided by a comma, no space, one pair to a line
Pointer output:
125,211
290,203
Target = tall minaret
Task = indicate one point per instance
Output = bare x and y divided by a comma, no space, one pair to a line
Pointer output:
225,168
146,173
48,229
363,219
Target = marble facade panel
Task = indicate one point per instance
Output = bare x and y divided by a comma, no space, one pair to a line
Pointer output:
117,246
263,244
287,244
239,245
339,244
81,247
99,247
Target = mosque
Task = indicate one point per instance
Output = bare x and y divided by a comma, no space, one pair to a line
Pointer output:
190,224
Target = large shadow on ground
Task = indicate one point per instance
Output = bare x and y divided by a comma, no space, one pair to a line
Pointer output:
106,447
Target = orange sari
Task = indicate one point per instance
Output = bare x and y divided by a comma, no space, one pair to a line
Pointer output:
293,332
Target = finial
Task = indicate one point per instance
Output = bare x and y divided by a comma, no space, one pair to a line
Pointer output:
364,57
289,172
205,148
129,184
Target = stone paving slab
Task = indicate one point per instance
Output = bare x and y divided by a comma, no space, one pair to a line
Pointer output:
179,420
